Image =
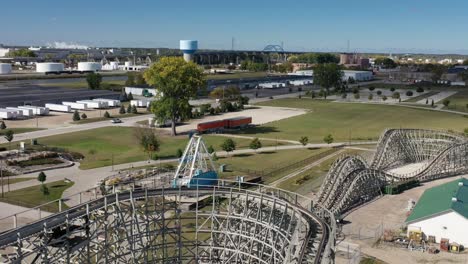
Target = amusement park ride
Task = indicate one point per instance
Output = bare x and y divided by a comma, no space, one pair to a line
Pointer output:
195,166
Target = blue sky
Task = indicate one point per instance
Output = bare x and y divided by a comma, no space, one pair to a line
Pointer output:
434,26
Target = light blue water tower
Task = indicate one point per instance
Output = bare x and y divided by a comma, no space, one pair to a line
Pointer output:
188,47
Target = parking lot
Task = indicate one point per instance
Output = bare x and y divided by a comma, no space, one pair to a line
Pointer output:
15,95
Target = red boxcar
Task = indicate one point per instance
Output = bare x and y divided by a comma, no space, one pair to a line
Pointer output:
211,126
238,122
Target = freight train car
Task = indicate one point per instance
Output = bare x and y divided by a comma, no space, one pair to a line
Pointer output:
220,125
238,122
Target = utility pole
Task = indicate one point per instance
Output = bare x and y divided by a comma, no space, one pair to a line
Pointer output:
1,175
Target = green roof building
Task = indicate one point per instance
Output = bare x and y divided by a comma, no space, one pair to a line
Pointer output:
442,212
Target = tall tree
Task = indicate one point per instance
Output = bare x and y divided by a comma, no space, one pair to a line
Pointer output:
42,177
328,75
328,139
94,80
228,145
304,141
177,81
255,144
9,135
148,140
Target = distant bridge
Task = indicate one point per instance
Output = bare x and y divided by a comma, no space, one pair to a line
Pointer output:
271,53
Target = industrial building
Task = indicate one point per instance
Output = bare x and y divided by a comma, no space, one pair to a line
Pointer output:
358,75
354,60
442,213
5,68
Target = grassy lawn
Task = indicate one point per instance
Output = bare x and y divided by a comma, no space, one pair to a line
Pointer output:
311,180
459,101
13,180
20,130
32,196
238,75
122,144
358,122
241,164
98,119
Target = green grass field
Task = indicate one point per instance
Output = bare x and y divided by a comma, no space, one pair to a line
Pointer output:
122,144
19,130
311,180
99,119
459,101
239,165
32,196
238,75
355,122
13,180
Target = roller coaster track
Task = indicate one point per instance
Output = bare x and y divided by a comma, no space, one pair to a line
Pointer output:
157,225
351,182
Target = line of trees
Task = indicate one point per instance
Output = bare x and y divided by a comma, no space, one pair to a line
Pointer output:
313,58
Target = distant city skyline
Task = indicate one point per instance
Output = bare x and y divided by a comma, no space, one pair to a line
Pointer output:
396,26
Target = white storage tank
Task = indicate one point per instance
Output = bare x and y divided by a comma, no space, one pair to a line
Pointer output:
89,66
5,68
45,67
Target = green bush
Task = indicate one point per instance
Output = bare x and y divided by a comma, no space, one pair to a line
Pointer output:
107,115
409,93
76,116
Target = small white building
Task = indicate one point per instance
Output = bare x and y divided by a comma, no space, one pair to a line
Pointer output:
358,75
442,212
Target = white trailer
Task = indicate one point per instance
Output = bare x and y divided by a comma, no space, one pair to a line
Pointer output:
271,85
76,106
301,82
110,102
140,91
24,112
94,104
7,114
140,103
59,107
37,110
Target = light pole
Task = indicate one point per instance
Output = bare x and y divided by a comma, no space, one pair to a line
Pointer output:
1,175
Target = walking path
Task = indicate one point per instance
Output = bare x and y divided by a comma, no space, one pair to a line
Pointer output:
437,97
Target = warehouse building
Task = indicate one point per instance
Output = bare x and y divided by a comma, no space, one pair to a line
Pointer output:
442,213
360,76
